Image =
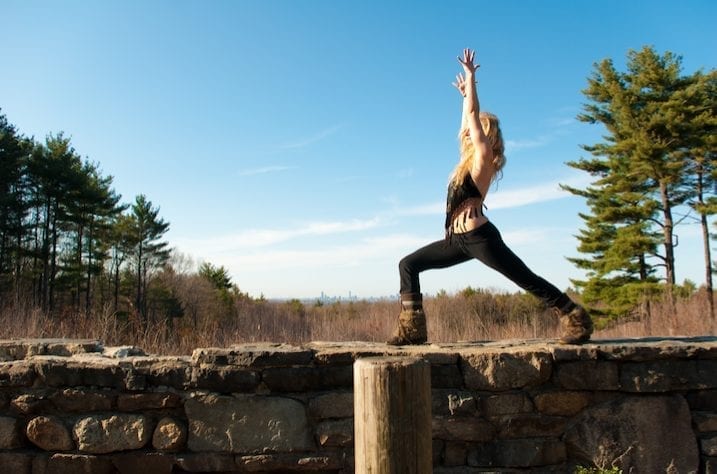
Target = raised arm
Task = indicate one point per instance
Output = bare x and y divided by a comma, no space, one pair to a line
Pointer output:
460,84
466,84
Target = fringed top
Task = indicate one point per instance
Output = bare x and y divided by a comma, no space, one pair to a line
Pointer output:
458,197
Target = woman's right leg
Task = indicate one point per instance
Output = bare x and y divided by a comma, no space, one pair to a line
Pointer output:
439,254
411,328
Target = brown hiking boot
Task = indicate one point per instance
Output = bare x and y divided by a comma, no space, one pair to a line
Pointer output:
576,326
411,328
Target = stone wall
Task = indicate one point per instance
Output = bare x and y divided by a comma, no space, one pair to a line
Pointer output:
514,406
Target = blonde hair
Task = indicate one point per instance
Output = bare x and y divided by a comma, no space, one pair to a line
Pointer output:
491,127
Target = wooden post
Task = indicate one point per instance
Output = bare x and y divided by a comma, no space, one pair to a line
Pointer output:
392,415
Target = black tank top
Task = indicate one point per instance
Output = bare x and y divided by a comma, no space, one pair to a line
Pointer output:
457,195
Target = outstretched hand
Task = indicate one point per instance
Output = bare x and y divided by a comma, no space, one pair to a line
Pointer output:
467,62
460,84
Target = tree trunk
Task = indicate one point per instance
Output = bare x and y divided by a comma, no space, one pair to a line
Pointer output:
708,266
78,257
668,231
88,284
53,262
706,245
45,281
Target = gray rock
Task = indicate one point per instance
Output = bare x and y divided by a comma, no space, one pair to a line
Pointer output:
561,403
16,463
143,463
206,462
506,404
74,400
166,371
462,429
107,434
589,375
225,379
254,355
49,433
247,424
17,374
668,375
123,352
645,433
287,463
54,371
169,435
530,425
335,432
709,446
332,405
497,371
9,437
531,453
76,463
455,454
30,403
704,422
148,401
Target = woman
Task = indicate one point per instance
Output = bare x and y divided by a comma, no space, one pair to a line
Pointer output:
469,234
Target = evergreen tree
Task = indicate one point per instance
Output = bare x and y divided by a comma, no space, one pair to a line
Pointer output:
13,207
53,174
149,252
122,243
700,155
93,207
641,170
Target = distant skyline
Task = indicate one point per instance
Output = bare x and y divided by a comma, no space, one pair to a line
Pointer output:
306,145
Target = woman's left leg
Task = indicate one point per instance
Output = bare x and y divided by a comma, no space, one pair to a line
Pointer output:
486,244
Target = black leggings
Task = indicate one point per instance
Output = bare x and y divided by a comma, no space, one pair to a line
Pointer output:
485,244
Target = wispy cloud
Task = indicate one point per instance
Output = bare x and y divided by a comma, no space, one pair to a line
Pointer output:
423,210
514,145
386,248
310,140
559,125
509,198
522,197
264,237
265,170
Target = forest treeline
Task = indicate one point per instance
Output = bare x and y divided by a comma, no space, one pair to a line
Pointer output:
67,243
70,245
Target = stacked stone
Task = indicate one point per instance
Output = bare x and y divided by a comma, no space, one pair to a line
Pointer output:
512,406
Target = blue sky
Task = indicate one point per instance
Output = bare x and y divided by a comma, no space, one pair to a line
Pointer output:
305,145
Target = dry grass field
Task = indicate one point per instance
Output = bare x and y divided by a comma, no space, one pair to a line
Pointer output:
472,315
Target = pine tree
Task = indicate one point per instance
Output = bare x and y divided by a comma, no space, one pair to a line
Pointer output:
700,155
641,170
149,252
93,206
13,207
53,175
